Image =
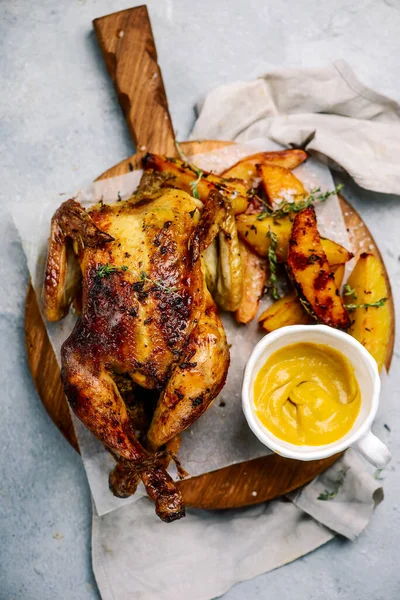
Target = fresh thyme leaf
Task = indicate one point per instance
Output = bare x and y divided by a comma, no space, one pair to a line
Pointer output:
105,270
159,284
376,304
273,263
326,495
316,195
377,474
264,214
198,172
330,494
349,291
170,290
180,151
194,184
286,208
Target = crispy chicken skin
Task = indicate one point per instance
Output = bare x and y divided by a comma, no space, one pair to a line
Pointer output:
146,313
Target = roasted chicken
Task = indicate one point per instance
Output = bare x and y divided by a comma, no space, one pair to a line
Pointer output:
147,319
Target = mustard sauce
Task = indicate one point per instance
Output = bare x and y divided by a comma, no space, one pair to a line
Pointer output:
307,394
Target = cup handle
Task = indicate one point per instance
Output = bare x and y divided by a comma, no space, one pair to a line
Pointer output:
375,451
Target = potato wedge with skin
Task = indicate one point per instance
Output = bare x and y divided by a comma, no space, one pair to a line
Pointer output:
254,233
289,310
285,311
335,253
280,185
233,190
338,275
254,279
311,275
372,326
229,290
246,168
186,178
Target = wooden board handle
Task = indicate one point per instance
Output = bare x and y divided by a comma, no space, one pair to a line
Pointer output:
126,40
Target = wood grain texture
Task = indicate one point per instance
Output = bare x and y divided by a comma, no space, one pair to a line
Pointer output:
45,370
232,487
126,40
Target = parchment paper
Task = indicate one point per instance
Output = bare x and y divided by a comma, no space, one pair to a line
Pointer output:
221,436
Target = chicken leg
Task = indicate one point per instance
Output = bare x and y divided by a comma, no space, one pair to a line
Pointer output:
95,399
195,381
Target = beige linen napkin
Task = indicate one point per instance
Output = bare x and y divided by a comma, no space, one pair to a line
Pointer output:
200,557
203,555
355,127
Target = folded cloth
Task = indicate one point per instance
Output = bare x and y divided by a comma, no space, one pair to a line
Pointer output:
202,556
355,127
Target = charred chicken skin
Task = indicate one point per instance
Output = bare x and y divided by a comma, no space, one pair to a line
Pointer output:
146,315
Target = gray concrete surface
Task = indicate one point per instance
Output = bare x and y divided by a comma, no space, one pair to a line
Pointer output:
60,127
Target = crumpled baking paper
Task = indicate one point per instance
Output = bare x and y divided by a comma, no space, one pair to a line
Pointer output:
221,436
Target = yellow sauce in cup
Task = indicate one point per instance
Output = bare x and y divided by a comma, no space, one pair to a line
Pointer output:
307,394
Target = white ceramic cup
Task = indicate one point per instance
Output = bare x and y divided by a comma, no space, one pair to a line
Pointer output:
366,372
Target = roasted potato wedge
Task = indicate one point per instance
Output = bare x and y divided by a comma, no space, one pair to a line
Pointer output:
254,233
335,253
229,290
186,177
311,275
338,275
289,310
280,185
371,326
285,311
246,168
254,279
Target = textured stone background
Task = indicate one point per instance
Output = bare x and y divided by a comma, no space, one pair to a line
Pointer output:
60,127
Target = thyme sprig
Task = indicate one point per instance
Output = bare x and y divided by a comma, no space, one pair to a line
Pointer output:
376,304
330,495
194,184
107,269
273,263
349,291
199,173
286,208
170,290
377,474
182,156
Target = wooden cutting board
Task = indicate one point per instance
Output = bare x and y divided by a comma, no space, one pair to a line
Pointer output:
127,43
